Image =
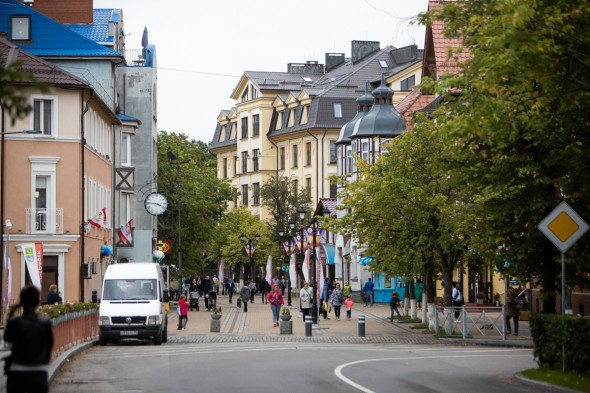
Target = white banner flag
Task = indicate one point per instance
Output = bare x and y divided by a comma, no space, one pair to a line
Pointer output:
305,267
293,272
269,269
8,271
319,273
34,261
221,273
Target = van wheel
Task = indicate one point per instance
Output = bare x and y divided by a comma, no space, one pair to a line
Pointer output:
103,341
158,339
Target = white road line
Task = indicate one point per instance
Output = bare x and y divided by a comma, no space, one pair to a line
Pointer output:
242,323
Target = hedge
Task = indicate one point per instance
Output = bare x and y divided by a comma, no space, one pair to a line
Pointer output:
549,331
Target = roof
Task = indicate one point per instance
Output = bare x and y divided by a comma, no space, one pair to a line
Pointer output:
42,70
127,118
98,31
413,102
326,203
50,38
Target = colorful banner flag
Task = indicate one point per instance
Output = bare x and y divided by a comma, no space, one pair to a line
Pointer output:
298,241
293,271
289,248
319,273
269,269
34,260
8,270
320,236
250,249
125,235
221,272
100,220
305,267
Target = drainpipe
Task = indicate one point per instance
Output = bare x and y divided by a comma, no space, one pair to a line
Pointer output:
317,180
2,210
277,149
83,188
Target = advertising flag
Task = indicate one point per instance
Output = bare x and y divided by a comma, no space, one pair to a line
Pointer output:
305,267
125,235
319,274
269,269
293,271
250,249
298,241
8,276
100,220
289,248
34,261
221,272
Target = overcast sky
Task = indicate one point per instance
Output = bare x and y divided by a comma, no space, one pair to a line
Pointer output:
203,47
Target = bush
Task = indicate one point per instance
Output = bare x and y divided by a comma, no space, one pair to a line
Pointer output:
56,310
549,332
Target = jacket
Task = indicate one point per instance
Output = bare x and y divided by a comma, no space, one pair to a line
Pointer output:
337,298
394,300
510,310
346,290
368,286
264,286
31,338
183,307
53,297
348,303
305,295
245,293
279,300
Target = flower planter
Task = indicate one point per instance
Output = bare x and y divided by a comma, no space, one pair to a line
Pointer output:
286,317
216,316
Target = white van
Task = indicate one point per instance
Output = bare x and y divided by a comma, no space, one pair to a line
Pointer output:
132,303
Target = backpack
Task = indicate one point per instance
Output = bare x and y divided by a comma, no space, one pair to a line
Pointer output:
517,303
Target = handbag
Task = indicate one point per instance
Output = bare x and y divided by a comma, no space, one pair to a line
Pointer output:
239,302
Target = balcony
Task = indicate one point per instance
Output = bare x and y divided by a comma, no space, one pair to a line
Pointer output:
45,221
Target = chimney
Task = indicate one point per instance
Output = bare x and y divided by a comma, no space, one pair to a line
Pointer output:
310,67
66,11
333,60
404,55
361,49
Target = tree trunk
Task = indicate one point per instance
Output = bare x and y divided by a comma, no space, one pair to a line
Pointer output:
428,289
413,310
406,297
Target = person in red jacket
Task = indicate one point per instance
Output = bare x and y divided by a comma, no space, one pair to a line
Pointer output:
183,317
275,298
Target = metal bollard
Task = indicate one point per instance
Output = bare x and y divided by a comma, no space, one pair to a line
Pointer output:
361,326
308,323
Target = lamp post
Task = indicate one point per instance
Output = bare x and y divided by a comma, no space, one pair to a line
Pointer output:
2,188
250,251
174,160
291,250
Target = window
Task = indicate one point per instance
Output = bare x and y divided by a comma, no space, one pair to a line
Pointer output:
20,27
332,152
365,150
44,215
255,155
254,93
408,83
256,193
383,63
41,184
232,133
125,149
348,168
337,110
304,115
282,158
225,168
245,194
308,153
124,208
291,120
255,125
244,161
244,127
235,165
295,163
308,186
333,190
43,114
245,95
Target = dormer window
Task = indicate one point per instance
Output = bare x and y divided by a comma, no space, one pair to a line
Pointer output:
245,96
383,64
20,27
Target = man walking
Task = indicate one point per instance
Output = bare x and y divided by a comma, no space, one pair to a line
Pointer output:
264,289
457,300
231,287
368,289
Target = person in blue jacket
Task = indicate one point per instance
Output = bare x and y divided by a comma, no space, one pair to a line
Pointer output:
368,289
325,296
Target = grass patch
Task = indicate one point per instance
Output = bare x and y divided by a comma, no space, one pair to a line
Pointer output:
443,333
569,380
420,326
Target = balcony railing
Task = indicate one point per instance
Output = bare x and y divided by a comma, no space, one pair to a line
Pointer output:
45,220
135,57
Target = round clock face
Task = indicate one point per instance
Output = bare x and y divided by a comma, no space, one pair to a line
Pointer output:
156,203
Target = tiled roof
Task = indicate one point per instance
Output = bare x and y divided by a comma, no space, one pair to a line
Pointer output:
413,102
226,141
41,69
98,31
50,38
442,43
329,203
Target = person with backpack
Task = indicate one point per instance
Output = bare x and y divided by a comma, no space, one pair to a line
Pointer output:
275,298
393,303
252,286
264,290
513,306
457,300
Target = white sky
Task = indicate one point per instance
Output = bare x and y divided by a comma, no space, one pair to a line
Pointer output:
203,47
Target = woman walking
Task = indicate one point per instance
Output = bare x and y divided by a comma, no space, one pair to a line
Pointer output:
337,298
32,339
346,291
305,296
245,295
276,301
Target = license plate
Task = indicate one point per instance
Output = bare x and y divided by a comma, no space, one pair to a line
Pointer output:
128,332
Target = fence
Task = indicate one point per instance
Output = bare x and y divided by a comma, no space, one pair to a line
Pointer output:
476,321
74,328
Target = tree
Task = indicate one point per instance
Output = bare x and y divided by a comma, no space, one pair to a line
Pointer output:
520,126
14,102
203,197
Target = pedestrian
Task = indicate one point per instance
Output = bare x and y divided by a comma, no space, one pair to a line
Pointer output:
457,300
394,301
252,286
200,285
245,295
305,296
207,283
512,311
283,285
337,298
324,298
368,289
348,304
346,291
31,338
276,301
183,317
231,288
53,296
213,293
264,289
418,292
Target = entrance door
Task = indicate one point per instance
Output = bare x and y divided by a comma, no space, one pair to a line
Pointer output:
49,275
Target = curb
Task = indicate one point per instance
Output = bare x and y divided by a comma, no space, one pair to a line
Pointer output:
543,385
491,343
58,363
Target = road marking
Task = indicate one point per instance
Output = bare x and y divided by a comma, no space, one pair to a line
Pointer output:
242,323
225,320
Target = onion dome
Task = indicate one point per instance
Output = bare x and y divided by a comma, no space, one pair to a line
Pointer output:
364,105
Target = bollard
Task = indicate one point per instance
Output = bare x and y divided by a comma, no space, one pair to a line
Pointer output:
94,297
361,326
308,324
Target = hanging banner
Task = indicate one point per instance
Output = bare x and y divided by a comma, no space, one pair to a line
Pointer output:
269,269
34,261
8,270
221,272
305,267
293,272
319,273
289,248
250,249
298,241
320,236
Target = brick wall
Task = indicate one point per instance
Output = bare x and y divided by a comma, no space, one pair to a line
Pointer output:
66,11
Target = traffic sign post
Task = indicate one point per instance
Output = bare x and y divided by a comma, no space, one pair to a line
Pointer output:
563,226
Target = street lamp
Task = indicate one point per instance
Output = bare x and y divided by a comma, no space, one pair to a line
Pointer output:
290,251
250,251
174,160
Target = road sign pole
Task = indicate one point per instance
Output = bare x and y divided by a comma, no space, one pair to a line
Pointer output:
563,310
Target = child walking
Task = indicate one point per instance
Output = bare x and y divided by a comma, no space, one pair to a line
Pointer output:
348,304
393,302
183,317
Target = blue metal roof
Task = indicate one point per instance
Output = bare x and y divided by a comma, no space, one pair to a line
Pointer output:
99,30
50,38
125,117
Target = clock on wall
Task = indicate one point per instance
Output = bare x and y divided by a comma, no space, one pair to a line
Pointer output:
156,203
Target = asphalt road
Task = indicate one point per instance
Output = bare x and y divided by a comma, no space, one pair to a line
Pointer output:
293,367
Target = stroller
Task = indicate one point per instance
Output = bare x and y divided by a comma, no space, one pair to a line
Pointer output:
194,300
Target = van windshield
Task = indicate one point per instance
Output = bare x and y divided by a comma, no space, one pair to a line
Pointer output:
136,289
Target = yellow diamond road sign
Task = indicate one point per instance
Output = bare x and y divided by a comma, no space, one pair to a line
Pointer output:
563,226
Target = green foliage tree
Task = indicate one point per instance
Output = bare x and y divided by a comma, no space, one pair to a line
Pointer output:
14,103
521,126
203,198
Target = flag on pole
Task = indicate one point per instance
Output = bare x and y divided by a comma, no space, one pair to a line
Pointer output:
298,241
293,271
305,267
34,261
319,274
221,272
8,276
250,249
100,220
269,269
125,235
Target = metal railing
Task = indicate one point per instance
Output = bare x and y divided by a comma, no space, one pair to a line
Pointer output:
44,220
476,321
135,57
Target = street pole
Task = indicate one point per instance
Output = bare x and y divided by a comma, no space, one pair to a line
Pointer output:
179,230
314,306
